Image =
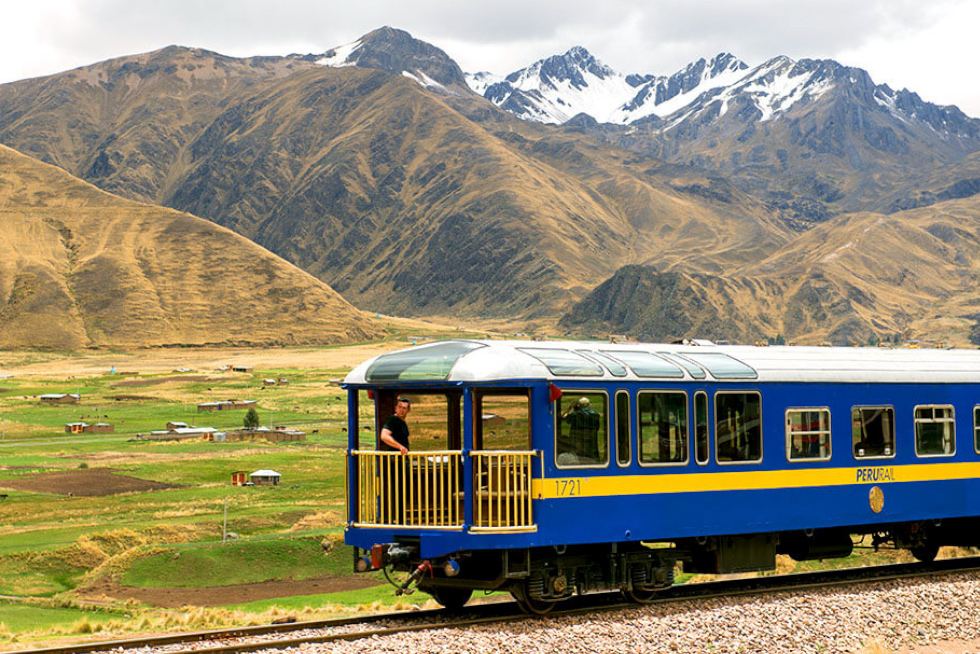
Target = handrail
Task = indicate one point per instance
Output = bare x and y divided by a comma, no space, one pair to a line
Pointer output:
425,489
417,489
502,490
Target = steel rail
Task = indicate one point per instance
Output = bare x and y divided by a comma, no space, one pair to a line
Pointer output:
503,612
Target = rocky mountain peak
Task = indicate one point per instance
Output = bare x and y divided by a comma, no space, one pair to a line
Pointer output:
572,68
398,52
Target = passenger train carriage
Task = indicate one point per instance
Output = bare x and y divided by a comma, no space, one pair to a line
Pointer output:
549,469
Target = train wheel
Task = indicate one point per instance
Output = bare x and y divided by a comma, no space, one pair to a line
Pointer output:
925,552
451,598
639,595
529,604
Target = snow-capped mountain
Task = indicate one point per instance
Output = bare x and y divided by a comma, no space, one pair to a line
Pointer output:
782,85
662,96
556,89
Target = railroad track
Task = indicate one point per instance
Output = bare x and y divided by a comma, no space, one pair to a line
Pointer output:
282,636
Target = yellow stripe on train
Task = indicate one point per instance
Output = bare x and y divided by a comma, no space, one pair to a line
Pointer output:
660,481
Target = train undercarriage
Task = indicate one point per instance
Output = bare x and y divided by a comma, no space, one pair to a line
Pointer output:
540,578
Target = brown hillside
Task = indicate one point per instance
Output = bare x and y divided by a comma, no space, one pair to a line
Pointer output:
401,202
403,199
857,278
123,123
82,268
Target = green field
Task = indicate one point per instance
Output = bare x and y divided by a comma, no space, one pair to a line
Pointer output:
68,557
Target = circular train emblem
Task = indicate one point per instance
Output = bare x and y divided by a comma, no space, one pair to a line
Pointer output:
877,499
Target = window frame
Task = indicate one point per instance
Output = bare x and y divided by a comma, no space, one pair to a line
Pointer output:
854,453
707,427
976,428
557,430
629,428
916,422
789,434
639,429
714,428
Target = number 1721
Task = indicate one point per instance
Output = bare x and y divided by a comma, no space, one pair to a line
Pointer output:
569,487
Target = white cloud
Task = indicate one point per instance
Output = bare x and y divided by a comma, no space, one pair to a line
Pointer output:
927,47
936,62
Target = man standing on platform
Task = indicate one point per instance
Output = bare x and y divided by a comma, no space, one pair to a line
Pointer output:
394,431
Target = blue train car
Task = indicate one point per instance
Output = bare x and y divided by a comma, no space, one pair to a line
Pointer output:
549,469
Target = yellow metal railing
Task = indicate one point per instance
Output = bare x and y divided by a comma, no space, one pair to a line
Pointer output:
425,489
502,491
418,489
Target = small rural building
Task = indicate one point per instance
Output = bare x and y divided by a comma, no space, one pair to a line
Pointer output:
86,428
268,382
173,424
239,478
183,433
277,435
265,478
281,381
242,368
226,405
61,398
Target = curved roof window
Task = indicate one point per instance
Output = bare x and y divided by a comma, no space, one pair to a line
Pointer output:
722,366
615,367
564,362
692,368
424,363
645,364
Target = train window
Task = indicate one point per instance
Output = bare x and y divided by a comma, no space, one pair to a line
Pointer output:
722,366
935,430
582,432
615,367
645,364
873,431
976,429
693,369
426,362
623,454
663,427
564,362
701,427
505,420
807,434
738,426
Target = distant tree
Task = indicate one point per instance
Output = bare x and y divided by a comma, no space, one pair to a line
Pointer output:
251,418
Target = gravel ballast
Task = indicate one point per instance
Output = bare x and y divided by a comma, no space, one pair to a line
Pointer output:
873,618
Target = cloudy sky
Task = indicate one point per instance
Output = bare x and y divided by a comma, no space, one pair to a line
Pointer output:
925,46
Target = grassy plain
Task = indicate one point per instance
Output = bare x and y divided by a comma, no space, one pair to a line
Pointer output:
104,535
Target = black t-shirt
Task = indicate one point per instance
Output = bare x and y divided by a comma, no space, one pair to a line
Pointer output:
399,431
